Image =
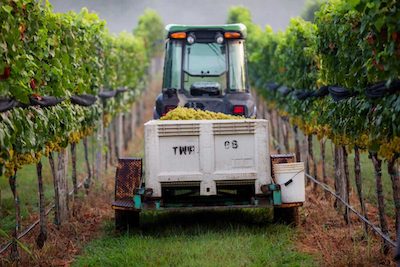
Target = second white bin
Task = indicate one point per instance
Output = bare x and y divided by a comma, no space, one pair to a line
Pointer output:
290,176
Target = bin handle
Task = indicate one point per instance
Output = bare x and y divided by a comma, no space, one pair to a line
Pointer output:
288,182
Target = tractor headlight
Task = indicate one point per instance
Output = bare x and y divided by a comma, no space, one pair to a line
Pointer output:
191,38
219,38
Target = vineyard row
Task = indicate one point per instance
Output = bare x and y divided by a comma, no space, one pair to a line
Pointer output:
336,78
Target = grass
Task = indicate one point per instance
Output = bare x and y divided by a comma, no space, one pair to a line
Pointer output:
27,187
201,238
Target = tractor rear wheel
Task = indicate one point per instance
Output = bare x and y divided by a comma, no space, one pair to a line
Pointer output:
126,220
288,216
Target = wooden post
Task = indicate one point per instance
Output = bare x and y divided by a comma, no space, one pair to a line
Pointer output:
88,180
42,237
323,163
142,104
138,113
296,143
14,248
56,194
62,185
311,158
346,184
276,124
286,133
264,110
381,200
110,143
115,138
358,180
341,181
107,154
271,122
258,105
97,171
125,126
278,132
94,151
118,135
338,175
129,129
133,120
308,156
74,175
394,176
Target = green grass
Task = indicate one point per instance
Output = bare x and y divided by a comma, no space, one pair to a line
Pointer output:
27,187
218,238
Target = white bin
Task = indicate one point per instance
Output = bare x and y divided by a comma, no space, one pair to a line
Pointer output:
290,176
206,153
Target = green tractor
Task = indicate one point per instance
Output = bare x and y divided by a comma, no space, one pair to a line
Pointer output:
207,164
205,68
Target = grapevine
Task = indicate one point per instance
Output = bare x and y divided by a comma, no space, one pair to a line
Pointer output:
351,45
61,55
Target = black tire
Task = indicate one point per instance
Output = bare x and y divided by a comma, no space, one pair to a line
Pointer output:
126,220
288,216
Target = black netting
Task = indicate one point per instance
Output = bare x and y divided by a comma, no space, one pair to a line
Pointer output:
45,101
83,100
340,93
381,89
321,92
284,90
7,104
107,94
121,90
302,94
272,86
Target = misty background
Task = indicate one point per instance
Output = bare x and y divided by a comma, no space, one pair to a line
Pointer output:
122,15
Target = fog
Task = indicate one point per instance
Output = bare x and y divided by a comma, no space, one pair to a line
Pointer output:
121,15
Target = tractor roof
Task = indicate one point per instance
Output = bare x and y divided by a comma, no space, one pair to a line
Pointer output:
239,27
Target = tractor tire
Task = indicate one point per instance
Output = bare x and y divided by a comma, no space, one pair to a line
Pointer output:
126,220
289,216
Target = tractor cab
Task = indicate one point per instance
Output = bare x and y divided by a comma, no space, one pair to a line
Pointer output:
205,68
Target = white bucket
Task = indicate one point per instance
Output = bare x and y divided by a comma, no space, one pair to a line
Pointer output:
290,176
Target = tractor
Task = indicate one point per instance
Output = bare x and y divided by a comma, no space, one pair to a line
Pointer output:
207,164
205,68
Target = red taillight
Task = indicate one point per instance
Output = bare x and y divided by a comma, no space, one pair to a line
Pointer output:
238,110
168,109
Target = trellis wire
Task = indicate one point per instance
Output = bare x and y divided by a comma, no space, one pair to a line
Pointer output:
33,225
376,229
361,217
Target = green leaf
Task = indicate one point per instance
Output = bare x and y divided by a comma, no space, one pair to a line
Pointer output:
7,9
353,3
380,21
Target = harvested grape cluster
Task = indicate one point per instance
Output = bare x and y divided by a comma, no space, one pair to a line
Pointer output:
181,113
